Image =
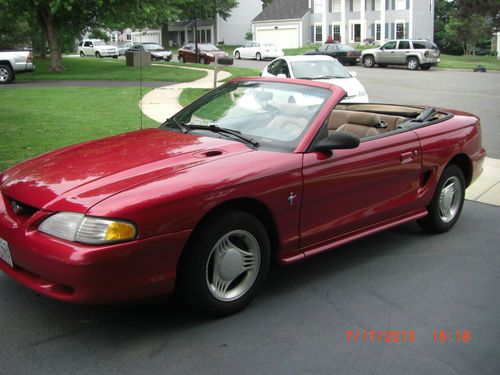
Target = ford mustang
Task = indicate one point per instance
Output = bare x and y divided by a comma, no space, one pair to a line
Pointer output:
259,169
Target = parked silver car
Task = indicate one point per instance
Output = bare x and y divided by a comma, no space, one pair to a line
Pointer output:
14,62
413,53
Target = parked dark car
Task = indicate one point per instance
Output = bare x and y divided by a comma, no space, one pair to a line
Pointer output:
342,52
156,50
124,48
206,51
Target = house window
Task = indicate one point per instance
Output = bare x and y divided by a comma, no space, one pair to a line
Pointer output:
129,36
336,6
336,33
356,5
377,4
318,6
400,4
377,31
400,30
318,33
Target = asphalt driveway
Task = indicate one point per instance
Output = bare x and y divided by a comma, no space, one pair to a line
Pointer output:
398,280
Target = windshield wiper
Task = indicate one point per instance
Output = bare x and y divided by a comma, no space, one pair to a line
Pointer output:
183,128
217,129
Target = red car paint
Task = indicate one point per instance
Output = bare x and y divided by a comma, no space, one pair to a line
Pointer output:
166,183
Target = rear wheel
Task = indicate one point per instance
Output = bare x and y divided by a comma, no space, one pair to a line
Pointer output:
368,61
6,73
447,203
181,59
82,54
225,263
97,54
258,56
237,55
412,63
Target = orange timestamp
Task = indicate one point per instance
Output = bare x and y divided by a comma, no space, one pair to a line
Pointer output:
404,336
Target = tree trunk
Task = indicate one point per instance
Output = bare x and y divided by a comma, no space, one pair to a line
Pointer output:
43,45
48,24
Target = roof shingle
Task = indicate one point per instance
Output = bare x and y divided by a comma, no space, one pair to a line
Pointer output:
283,10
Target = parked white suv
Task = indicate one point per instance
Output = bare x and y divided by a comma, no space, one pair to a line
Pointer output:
413,53
97,48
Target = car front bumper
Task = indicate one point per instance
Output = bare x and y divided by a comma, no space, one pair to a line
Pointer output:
272,55
79,273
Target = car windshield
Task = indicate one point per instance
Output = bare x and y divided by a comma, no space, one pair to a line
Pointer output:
319,69
98,43
274,114
207,47
152,47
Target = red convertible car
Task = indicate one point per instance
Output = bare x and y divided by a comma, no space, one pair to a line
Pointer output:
257,170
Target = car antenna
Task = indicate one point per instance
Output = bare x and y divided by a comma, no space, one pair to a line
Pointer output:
140,84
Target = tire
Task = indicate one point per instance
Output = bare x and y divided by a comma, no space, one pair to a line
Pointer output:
6,74
98,55
258,56
447,202
82,54
237,55
368,61
181,59
211,276
425,67
383,65
412,63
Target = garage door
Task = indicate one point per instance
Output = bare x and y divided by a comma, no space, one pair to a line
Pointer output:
285,38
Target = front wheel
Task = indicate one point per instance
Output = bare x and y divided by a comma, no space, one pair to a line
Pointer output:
6,73
82,54
412,63
225,263
237,55
181,59
447,202
258,56
368,61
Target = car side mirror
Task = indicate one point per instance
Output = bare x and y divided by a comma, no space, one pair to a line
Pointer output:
354,74
337,141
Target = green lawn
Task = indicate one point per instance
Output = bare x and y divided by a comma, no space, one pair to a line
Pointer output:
190,95
469,62
90,68
37,120
233,70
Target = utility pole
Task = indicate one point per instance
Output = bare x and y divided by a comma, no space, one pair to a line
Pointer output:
196,37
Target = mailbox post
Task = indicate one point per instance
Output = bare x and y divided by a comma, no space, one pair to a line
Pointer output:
219,62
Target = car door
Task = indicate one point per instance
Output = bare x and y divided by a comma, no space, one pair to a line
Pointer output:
349,190
386,53
88,47
244,50
401,52
190,53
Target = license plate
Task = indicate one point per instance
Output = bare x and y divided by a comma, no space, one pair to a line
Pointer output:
5,252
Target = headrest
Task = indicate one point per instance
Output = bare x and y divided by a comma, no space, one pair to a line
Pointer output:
363,118
293,110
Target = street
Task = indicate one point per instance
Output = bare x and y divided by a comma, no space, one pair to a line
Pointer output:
399,280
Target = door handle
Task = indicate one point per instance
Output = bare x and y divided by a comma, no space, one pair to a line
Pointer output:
407,157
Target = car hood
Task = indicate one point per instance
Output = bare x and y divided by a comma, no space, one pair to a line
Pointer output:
351,85
77,177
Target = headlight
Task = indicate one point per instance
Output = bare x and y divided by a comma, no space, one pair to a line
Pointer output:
77,227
